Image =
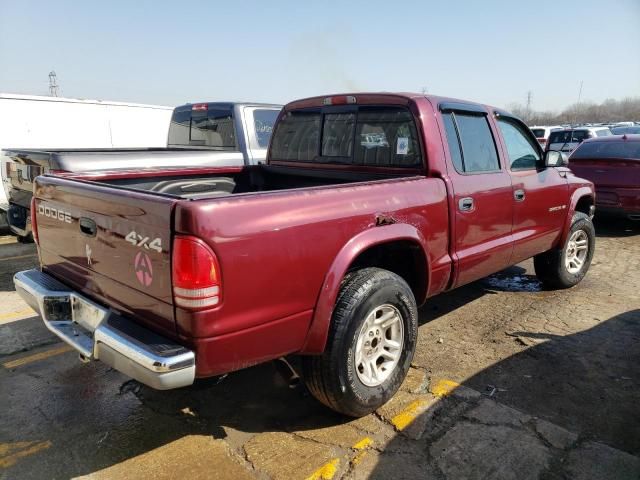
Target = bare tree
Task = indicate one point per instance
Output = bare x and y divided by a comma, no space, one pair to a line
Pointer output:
627,109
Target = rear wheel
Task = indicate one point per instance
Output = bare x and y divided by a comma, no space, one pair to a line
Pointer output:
565,267
370,346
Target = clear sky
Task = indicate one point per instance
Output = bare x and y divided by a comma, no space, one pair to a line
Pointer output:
275,51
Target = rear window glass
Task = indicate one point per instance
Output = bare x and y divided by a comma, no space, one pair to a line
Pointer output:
623,130
568,136
538,132
337,134
368,136
263,121
297,137
604,150
212,127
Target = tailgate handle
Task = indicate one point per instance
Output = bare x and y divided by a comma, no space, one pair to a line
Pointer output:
88,226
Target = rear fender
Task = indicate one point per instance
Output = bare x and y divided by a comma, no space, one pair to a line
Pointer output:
319,329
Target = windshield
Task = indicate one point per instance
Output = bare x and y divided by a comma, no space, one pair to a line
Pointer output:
607,150
538,132
203,125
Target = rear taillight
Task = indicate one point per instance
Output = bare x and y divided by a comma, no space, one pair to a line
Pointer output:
34,225
196,274
199,107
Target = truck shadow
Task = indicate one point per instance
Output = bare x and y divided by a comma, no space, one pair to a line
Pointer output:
133,419
587,383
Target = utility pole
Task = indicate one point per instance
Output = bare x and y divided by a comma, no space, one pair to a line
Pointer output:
529,95
54,88
424,90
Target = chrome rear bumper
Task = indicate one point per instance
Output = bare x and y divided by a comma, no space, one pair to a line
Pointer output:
100,334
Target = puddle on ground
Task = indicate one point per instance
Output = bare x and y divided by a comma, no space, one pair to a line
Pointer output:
514,283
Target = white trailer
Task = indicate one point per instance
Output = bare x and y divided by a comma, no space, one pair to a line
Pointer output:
37,122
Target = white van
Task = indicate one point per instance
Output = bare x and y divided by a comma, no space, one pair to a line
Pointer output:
36,122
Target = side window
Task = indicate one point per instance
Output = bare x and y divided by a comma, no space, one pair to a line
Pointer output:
476,143
454,143
263,121
522,153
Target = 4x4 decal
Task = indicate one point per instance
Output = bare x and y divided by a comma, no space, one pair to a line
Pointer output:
139,241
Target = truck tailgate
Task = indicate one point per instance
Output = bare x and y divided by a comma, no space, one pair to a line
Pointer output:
20,170
109,244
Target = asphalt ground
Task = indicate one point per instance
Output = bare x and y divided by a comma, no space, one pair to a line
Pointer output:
508,381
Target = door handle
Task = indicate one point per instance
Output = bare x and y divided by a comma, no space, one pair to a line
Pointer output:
519,195
88,227
465,204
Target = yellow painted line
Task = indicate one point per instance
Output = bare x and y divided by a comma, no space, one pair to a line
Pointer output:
358,458
10,453
17,315
361,446
327,471
37,357
442,388
363,443
18,257
409,414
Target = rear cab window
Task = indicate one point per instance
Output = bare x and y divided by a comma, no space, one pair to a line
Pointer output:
569,136
203,125
369,136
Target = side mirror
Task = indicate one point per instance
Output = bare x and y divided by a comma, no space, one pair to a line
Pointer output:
553,158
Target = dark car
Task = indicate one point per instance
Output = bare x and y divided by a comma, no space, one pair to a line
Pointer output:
613,165
634,130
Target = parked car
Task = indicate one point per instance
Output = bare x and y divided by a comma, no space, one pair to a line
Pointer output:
634,130
542,133
368,205
613,165
29,121
200,134
567,140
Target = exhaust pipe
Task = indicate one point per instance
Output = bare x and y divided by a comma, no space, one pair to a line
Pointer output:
288,373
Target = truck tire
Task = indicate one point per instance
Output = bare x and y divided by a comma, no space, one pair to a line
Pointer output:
565,267
372,339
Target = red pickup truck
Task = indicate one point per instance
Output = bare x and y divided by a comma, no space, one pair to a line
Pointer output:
368,205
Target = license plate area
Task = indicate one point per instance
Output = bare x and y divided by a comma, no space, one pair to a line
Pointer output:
87,314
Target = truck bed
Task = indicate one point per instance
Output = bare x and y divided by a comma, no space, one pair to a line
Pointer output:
212,183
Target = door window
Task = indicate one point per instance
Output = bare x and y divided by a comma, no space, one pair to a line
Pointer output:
522,153
471,143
